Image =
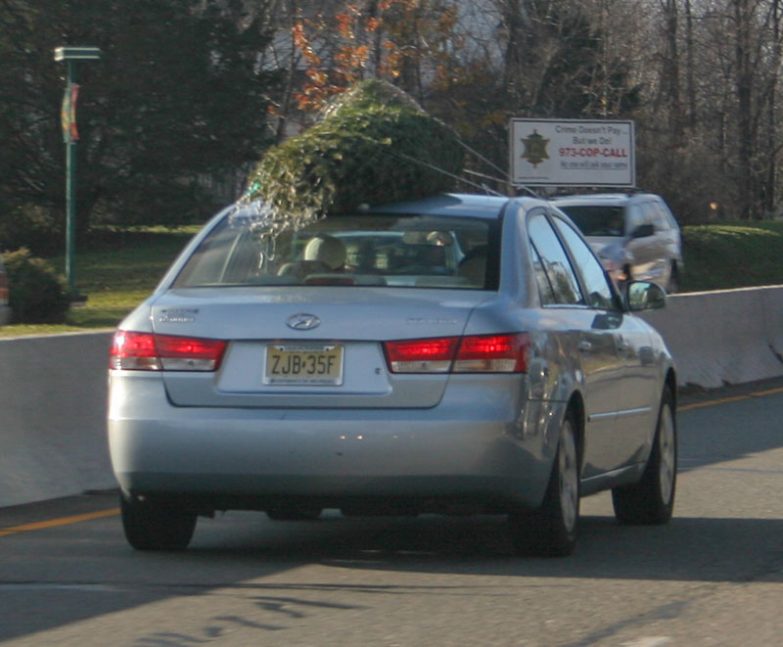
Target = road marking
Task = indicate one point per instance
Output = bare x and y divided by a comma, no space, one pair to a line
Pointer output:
775,391
712,403
729,399
61,521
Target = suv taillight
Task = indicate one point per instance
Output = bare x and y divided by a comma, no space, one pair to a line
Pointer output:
505,353
3,287
139,351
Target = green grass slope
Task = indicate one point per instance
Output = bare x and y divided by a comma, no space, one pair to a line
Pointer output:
732,255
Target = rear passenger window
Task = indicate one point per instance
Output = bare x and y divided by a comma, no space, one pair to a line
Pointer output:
599,292
559,276
545,290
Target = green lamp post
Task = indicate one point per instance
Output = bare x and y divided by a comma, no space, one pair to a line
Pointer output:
71,56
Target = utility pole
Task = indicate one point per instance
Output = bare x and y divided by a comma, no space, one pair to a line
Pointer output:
71,56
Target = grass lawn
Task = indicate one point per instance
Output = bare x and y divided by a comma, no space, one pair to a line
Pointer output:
119,269
732,255
117,272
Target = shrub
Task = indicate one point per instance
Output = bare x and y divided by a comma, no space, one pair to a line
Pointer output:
37,293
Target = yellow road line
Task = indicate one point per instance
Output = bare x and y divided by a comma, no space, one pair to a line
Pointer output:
712,403
775,391
728,399
62,521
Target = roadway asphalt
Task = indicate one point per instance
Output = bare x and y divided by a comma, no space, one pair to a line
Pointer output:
714,576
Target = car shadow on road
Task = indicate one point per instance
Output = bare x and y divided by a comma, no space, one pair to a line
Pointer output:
688,549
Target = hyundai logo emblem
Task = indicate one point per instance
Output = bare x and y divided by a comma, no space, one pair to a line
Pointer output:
302,321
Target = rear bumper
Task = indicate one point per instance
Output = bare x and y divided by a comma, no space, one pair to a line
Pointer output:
477,449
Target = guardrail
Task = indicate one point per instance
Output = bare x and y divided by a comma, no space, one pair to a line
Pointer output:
53,389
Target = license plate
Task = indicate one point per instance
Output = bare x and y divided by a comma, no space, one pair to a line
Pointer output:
304,365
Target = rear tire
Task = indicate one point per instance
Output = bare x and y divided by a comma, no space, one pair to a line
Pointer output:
651,500
150,526
551,530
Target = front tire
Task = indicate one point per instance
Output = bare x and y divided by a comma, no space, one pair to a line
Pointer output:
551,530
150,526
651,500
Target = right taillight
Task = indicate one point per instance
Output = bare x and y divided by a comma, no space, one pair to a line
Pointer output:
492,354
505,353
137,351
3,287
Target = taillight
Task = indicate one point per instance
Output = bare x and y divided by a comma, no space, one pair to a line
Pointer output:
492,354
137,351
3,287
505,353
421,355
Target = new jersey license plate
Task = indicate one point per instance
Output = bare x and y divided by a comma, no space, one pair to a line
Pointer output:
304,365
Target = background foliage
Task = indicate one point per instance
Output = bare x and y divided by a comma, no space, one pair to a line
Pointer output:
190,93
174,111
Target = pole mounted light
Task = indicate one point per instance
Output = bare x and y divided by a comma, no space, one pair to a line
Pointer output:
71,56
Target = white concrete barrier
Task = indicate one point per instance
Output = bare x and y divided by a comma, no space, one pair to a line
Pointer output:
53,389
53,417
724,337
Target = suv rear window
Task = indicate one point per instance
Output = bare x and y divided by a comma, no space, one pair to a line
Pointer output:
597,220
368,249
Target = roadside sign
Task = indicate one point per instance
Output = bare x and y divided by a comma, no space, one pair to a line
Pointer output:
572,152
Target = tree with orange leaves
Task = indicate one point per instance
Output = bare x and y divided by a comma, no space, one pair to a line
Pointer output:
387,39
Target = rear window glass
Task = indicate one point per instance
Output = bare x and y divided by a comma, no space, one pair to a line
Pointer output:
597,220
418,251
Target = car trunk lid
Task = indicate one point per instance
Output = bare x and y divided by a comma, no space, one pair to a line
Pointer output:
309,346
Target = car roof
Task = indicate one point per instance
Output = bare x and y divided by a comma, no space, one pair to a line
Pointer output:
608,199
449,204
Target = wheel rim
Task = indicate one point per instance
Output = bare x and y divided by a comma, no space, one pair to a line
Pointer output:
668,454
569,478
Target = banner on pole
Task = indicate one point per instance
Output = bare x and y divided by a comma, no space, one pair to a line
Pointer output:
68,113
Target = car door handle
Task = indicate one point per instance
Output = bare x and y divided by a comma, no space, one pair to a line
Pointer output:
585,346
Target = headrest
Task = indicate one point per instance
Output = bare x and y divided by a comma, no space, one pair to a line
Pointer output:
327,250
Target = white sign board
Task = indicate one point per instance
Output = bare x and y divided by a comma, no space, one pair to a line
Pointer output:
557,152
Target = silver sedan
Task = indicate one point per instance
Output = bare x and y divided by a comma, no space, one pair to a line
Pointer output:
458,354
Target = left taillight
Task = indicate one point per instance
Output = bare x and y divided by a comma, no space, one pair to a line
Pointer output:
505,353
139,351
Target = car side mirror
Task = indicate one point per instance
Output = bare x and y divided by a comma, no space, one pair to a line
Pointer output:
643,295
643,231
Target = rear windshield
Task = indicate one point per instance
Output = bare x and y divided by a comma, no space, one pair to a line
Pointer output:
597,220
417,251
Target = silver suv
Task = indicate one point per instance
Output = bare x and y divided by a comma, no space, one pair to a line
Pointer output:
634,234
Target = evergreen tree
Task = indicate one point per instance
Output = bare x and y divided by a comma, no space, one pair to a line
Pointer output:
176,104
